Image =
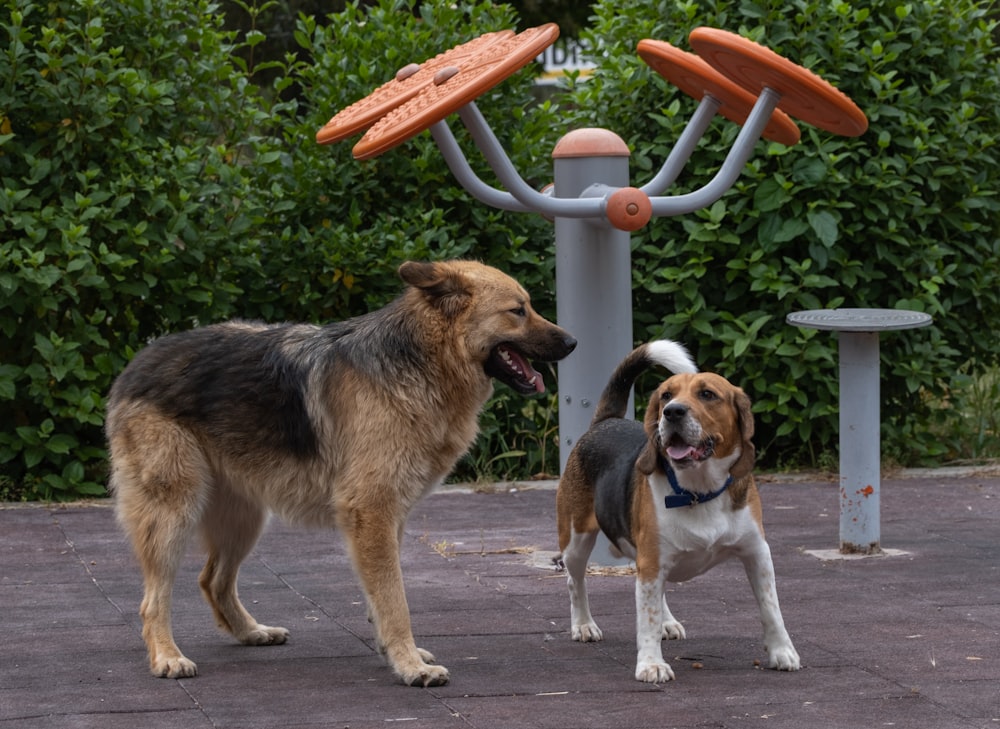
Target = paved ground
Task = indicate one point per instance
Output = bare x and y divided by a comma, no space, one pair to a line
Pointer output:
908,641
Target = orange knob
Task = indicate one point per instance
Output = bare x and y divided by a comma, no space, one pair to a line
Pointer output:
628,209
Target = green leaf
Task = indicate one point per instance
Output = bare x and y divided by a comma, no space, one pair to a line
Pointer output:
824,224
254,38
61,443
8,377
74,473
790,230
770,195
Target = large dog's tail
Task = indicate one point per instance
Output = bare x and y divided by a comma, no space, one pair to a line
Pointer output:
664,353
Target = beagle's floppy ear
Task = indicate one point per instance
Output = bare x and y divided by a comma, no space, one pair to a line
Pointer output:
748,453
648,458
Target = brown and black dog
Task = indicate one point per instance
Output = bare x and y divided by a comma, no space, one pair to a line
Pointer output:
346,425
675,493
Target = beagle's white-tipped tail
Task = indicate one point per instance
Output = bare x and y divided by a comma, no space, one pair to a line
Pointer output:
671,355
661,353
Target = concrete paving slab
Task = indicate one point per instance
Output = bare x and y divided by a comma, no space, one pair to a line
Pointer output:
906,641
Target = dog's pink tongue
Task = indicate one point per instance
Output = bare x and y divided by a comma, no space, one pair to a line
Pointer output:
524,369
680,452
538,381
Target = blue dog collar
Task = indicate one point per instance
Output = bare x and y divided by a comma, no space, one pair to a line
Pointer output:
683,497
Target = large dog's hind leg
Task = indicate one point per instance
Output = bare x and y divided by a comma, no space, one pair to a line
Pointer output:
158,484
374,545
165,658
159,567
230,527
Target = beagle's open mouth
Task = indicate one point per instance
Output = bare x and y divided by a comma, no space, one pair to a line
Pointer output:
683,453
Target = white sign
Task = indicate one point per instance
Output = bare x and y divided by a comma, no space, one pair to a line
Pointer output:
562,57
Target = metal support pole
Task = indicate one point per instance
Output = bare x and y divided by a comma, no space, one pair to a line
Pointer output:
860,443
860,439
593,279
593,289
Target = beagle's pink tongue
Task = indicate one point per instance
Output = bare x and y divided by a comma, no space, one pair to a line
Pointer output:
680,452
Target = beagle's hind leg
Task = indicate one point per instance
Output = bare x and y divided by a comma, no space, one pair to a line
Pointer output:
575,556
577,527
672,628
230,528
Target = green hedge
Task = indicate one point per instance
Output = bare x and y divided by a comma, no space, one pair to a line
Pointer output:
147,185
150,183
120,163
905,216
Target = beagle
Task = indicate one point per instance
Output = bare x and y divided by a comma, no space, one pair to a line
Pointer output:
676,494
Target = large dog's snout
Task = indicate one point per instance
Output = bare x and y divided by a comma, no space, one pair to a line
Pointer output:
674,412
568,343
558,344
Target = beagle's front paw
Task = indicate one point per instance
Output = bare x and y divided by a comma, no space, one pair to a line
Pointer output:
653,672
673,630
783,658
587,632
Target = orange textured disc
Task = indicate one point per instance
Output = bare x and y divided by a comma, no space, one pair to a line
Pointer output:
804,95
453,87
408,82
696,78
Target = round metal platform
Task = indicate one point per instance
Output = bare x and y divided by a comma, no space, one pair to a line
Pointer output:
859,320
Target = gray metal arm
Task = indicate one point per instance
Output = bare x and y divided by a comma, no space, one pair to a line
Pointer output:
681,152
731,168
498,160
521,197
467,177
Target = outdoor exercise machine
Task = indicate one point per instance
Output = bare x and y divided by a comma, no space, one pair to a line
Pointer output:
591,202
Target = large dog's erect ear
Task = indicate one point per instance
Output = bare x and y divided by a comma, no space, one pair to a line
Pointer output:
443,285
748,453
648,458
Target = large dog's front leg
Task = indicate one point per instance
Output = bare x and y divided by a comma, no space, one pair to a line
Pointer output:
374,545
760,572
650,666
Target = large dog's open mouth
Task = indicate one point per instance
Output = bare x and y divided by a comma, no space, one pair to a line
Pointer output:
512,368
683,454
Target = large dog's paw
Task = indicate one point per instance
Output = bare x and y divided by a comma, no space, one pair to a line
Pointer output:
673,630
426,675
653,672
783,658
173,667
587,632
264,635
418,669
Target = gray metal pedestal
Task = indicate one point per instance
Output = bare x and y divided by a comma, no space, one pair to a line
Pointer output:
860,440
